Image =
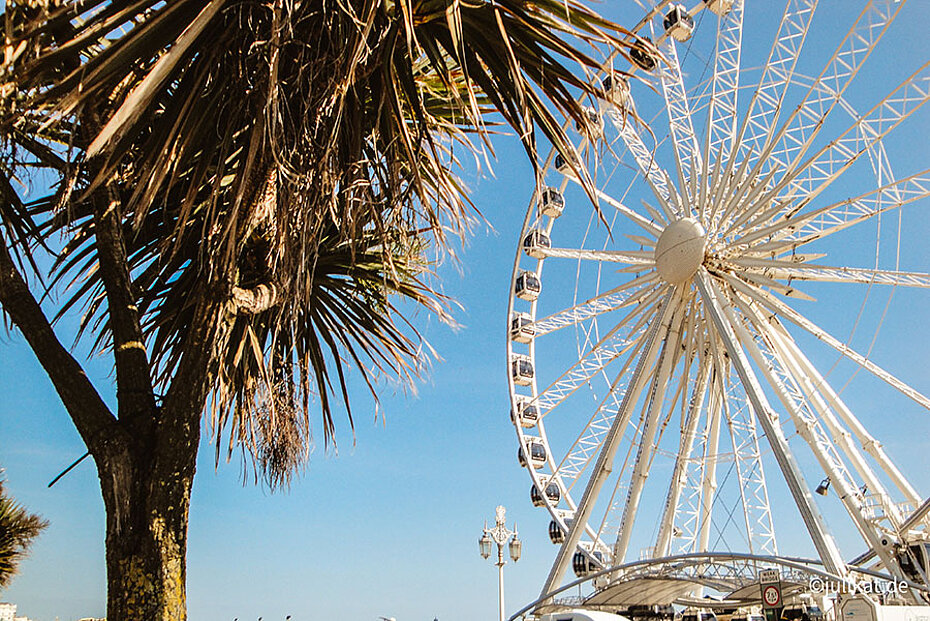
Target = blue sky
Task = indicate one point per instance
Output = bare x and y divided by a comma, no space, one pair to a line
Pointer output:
388,526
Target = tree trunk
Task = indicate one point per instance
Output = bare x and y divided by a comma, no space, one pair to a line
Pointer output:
147,518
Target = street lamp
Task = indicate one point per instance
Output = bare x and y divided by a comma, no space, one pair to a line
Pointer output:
499,535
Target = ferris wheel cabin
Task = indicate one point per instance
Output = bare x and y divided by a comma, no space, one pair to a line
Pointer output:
527,286
535,243
561,165
522,329
521,368
553,495
642,55
527,414
583,565
616,90
678,23
551,203
719,7
593,120
537,451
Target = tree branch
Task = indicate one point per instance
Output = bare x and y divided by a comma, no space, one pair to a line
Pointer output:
90,414
253,301
134,389
179,423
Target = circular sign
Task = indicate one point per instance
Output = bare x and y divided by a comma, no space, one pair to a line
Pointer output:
771,595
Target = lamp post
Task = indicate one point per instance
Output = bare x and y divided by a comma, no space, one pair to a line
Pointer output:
499,535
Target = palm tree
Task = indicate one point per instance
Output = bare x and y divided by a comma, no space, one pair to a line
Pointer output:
18,528
248,192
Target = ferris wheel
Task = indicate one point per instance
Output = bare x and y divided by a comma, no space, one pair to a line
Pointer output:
675,351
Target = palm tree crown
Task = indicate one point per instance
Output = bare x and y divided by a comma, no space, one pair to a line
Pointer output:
18,528
284,167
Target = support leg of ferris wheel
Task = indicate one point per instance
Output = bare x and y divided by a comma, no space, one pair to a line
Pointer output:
679,475
777,373
813,387
823,541
866,440
718,401
604,463
654,406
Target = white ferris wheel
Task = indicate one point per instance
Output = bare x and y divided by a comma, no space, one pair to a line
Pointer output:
671,357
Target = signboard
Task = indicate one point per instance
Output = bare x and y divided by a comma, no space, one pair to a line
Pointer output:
769,576
771,596
770,583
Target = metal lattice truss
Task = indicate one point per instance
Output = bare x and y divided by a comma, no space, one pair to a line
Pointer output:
723,111
660,581
663,358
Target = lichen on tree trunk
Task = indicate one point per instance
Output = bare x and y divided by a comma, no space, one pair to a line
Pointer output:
147,519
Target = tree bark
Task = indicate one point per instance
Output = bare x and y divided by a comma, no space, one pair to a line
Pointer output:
147,518
146,471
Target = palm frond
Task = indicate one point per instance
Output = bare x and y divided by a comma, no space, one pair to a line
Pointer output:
293,160
18,528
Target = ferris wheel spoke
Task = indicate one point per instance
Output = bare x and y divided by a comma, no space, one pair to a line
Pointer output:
736,406
631,292
735,409
608,450
685,450
585,447
722,180
832,160
776,372
806,121
619,340
767,101
775,305
809,427
583,450
685,355
636,218
870,507
807,371
720,315
745,204
679,113
592,363
718,404
630,257
747,457
653,408
652,173
722,110
793,231
788,270
837,420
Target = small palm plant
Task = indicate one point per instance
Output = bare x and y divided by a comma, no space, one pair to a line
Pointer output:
18,528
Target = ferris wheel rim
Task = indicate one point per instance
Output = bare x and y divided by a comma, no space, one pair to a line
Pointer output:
540,481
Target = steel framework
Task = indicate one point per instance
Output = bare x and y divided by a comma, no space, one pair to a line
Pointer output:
677,348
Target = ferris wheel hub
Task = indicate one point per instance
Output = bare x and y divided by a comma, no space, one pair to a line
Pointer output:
680,250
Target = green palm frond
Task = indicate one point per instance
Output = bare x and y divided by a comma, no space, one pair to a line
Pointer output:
18,528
